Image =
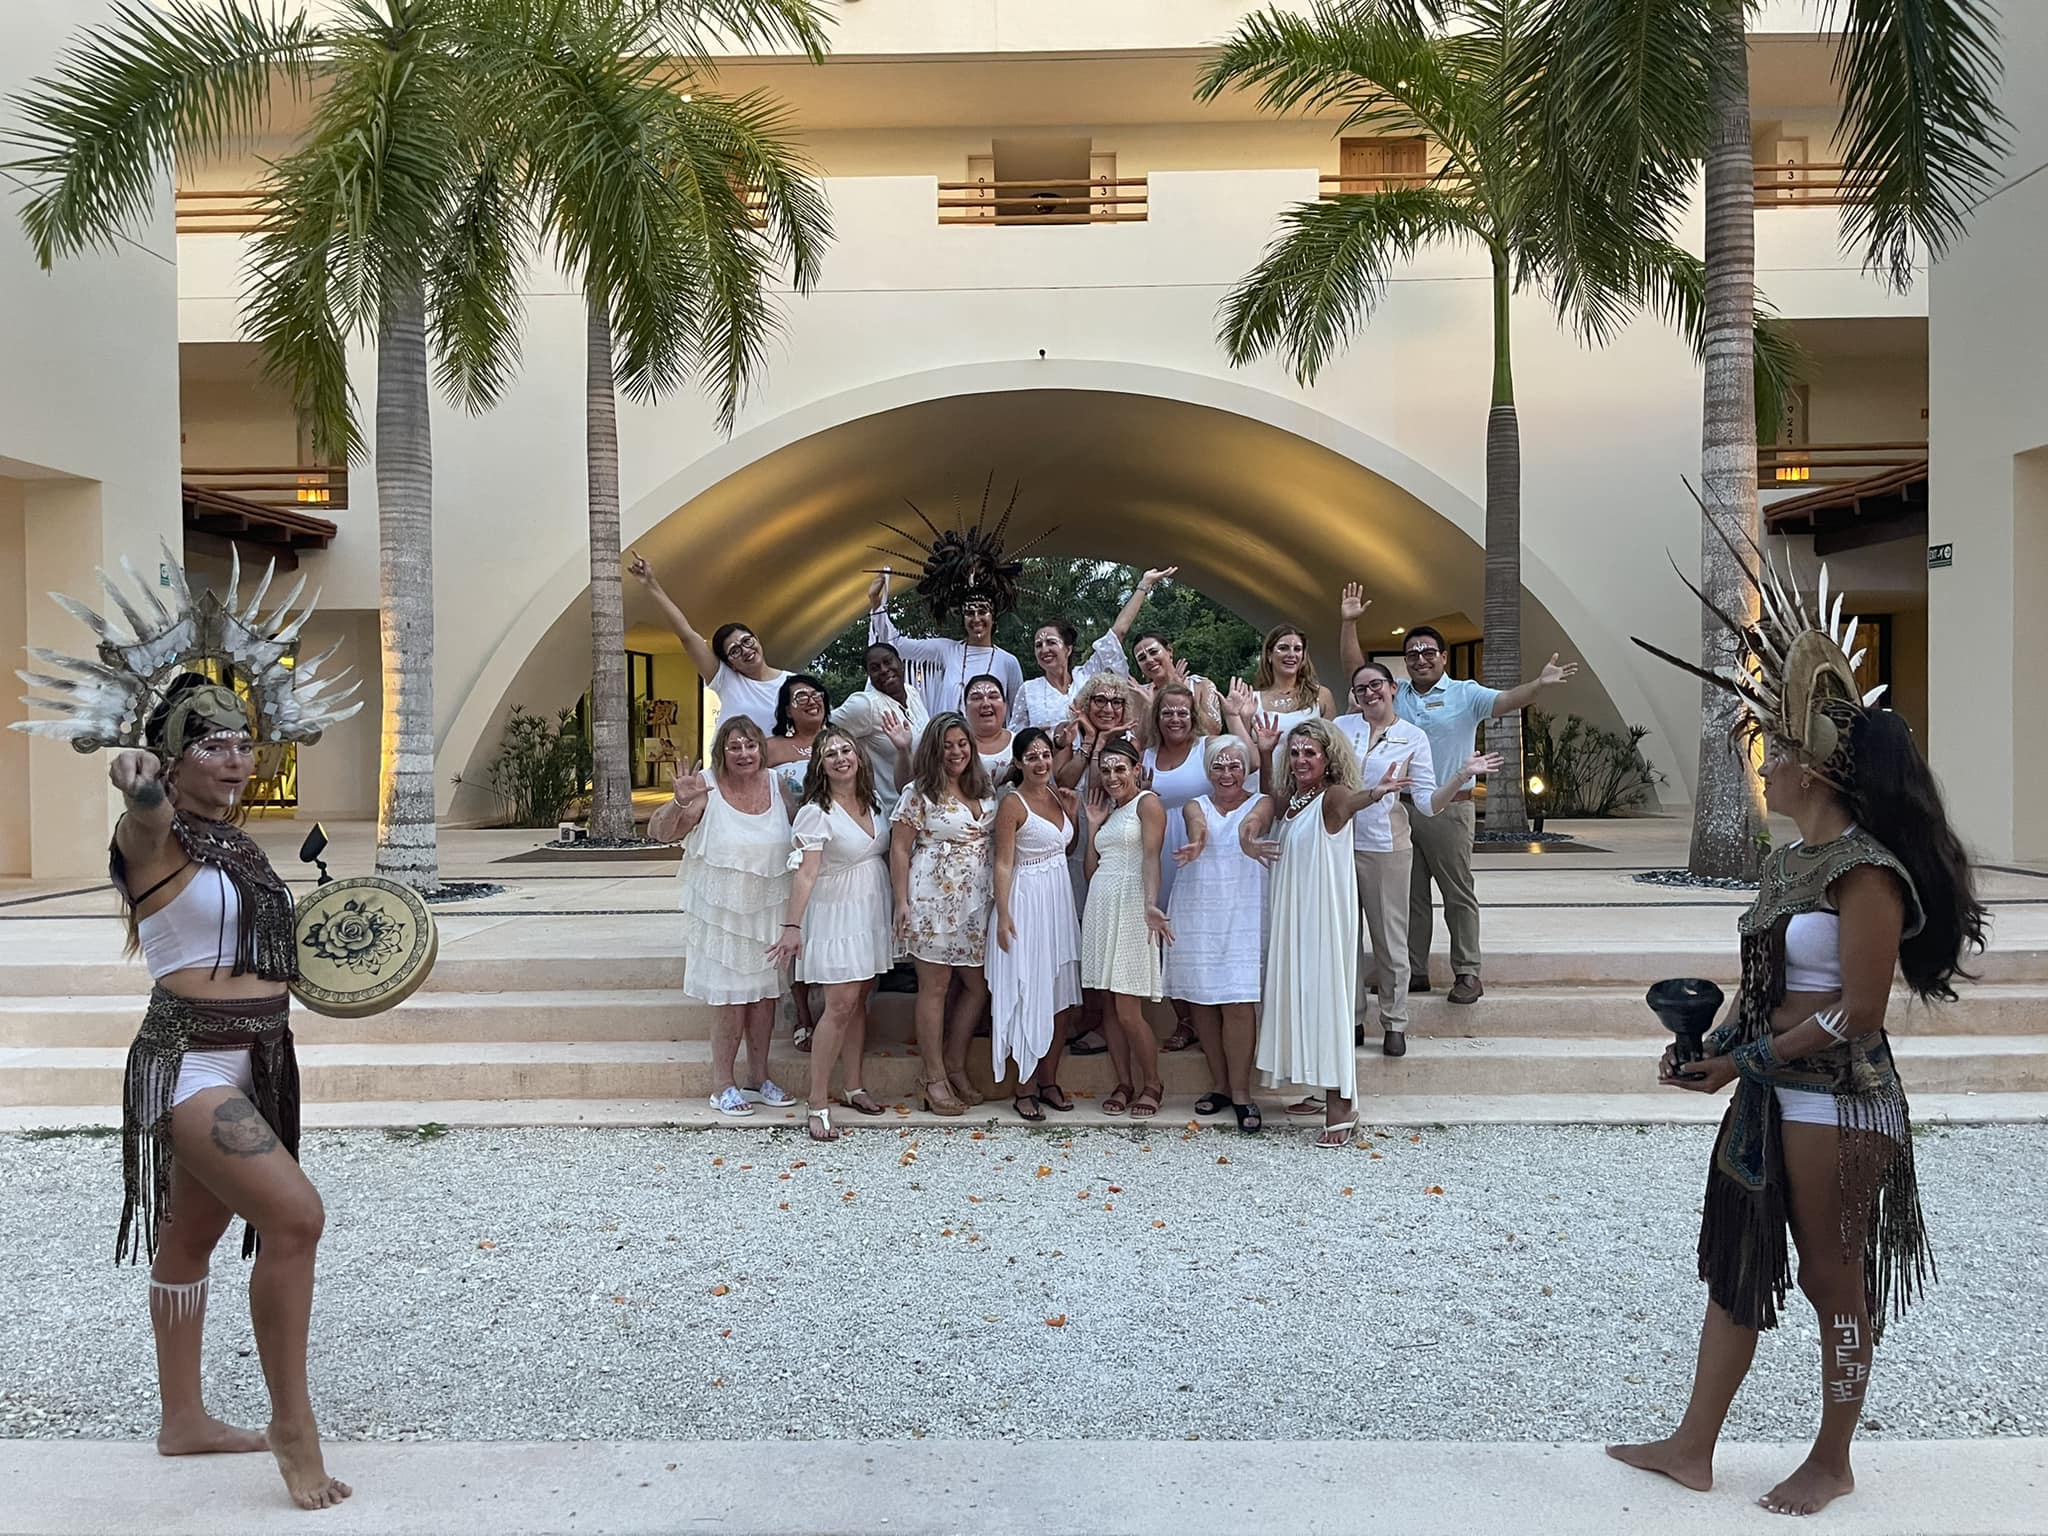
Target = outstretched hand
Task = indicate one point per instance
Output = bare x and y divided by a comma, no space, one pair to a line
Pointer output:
1553,674
138,775
1478,763
1395,781
897,730
692,787
1240,703
1354,602
1266,732
636,563
1153,578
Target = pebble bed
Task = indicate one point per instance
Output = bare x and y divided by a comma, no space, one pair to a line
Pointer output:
1471,1283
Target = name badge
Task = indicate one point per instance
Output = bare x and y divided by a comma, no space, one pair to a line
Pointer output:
1432,703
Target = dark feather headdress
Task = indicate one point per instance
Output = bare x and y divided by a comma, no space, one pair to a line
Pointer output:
964,561
107,701
1795,668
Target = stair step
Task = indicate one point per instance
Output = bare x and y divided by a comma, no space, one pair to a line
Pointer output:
682,1069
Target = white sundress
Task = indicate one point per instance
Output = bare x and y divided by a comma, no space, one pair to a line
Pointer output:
849,922
1175,787
1218,914
1039,976
735,888
1311,958
1118,951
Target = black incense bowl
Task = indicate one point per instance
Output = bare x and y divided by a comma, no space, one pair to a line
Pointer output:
1686,1006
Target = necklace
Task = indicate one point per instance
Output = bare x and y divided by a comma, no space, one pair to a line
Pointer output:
1301,800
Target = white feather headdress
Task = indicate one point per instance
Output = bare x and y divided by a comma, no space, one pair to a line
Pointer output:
107,702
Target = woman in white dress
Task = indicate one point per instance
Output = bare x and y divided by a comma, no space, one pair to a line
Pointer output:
801,707
1048,699
1175,773
730,662
1312,938
735,882
987,712
1218,915
1286,680
837,928
1108,703
939,864
1034,954
1123,927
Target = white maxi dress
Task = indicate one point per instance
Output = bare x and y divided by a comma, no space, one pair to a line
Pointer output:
1218,916
1311,958
735,888
1039,976
849,925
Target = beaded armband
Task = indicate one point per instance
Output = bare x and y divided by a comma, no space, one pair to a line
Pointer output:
1756,1060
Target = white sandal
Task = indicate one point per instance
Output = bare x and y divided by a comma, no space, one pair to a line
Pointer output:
823,1117
1347,1127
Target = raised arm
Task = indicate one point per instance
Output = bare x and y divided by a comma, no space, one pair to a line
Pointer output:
680,813
145,824
1519,698
1120,626
1350,609
1446,792
695,646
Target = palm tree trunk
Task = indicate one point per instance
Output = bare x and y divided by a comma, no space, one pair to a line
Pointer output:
406,849
1728,808
1505,811
611,793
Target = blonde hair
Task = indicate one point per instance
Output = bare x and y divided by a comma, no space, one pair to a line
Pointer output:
731,726
1135,716
1340,762
1216,746
1308,689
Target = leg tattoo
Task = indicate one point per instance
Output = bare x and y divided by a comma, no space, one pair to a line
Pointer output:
1848,1371
239,1131
178,1303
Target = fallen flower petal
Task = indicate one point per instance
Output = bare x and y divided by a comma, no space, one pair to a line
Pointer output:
1057,1322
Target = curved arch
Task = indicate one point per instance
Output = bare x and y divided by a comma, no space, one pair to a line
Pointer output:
913,412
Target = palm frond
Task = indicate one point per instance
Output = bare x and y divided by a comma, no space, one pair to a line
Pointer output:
691,28
1673,285
1921,127
474,304
156,83
1327,269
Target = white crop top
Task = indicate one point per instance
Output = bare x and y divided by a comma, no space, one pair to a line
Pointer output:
196,928
1813,952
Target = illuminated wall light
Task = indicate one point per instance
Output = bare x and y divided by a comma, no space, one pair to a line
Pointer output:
313,491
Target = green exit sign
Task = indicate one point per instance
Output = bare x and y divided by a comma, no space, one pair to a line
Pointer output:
1940,556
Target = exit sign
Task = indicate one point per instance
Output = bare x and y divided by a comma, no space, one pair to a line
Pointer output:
1940,556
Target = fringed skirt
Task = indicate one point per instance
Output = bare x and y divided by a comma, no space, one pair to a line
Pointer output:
1744,1252
172,1026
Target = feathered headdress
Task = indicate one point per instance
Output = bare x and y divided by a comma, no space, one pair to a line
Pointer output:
108,702
965,562
1795,669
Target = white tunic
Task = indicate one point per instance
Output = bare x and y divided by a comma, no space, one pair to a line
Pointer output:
1311,958
1218,915
750,697
953,661
1039,976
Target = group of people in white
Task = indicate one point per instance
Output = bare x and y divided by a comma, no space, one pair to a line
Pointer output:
1053,853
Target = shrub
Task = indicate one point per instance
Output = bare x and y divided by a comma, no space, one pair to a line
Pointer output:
1588,771
542,768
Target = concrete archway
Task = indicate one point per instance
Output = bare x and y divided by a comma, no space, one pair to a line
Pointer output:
1266,503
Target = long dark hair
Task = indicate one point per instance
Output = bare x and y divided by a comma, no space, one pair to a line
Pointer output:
1022,743
1893,796
784,726
928,769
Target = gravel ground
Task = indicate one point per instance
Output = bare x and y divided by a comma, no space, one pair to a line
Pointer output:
1476,1283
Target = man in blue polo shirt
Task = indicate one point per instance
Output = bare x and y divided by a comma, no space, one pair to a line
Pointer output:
1449,711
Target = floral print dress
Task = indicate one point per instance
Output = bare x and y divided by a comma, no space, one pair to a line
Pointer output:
951,877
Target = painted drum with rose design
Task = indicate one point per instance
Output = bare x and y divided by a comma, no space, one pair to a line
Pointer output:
365,945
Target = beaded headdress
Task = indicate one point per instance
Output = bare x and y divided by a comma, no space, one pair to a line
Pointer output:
108,701
964,563
1795,668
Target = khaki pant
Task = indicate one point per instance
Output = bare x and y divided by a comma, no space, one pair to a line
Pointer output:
1443,853
1383,899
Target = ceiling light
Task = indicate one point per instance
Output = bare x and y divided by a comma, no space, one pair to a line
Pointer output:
1400,631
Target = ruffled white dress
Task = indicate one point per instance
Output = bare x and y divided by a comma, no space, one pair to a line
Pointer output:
1312,958
1218,914
1175,787
735,888
848,925
1118,951
1039,976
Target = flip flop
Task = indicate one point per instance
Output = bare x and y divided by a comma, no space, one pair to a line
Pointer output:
859,1102
1058,1105
1146,1104
1249,1120
1035,1112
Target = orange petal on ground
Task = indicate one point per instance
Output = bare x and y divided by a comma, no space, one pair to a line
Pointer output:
1434,1189
725,1333
1222,1159
718,1162
783,1207
1377,1158
974,1199
1116,1189
979,1136
1044,1172
720,1290
487,1243
1057,1322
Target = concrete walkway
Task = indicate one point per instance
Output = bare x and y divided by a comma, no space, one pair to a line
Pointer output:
1908,1488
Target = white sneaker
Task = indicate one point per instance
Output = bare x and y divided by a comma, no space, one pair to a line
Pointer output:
732,1102
767,1093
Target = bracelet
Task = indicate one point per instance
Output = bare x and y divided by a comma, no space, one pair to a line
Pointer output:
792,925
1756,1059
1835,1021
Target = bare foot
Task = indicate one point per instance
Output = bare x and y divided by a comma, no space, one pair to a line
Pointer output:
206,1436
305,1474
1808,1491
1685,1468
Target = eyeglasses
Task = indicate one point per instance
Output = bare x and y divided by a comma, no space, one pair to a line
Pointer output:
806,696
1108,703
1377,685
1423,653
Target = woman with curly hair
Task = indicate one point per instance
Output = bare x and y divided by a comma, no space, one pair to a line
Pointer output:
1312,915
1818,1138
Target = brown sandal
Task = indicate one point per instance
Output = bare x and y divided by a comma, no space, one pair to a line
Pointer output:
1028,1108
1146,1104
939,1100
964,1089
1118,1101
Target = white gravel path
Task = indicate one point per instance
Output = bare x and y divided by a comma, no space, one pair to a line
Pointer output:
527,1284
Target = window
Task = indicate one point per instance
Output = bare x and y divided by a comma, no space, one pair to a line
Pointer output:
1382,165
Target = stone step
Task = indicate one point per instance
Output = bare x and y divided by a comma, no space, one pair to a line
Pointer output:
657,1014
682,1070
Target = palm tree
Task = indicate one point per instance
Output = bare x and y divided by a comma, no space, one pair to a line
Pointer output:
1919,128
1479,77
393,218
674,207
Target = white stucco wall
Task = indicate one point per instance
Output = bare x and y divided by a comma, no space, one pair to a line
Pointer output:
89,446
1988,488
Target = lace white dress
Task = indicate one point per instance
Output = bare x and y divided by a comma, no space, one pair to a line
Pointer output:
951,877
735,888
1175,787
1311,957
1039,976
1039,703
849,923
1118,952
1218,914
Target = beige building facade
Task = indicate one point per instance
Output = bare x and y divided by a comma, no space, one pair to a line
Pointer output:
968,325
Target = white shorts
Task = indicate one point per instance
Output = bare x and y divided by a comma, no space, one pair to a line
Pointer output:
201,1070
1798,1107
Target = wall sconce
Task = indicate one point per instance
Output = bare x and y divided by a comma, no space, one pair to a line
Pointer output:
1535,792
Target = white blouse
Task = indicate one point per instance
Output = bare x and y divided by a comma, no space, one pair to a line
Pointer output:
1039,703
1382,827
